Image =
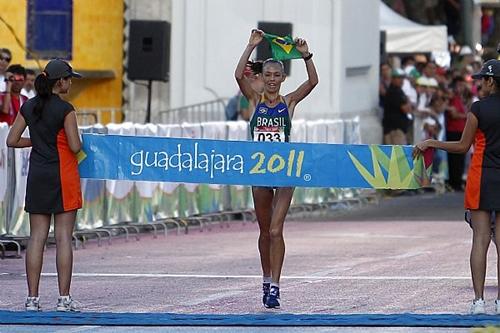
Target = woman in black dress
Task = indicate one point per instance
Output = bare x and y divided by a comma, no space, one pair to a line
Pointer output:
482,195
53,185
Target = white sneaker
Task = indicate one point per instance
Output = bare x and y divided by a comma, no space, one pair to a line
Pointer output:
32,304
497,306
477,307
67,304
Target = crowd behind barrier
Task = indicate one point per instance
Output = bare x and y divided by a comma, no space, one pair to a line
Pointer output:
110,202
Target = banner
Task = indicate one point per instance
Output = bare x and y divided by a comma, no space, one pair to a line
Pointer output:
252,163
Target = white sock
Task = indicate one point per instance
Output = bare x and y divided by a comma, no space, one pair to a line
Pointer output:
66,298
267,279
274,284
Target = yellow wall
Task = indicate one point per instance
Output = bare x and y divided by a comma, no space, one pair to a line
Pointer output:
97,46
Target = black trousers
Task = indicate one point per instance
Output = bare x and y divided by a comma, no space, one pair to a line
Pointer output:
456,163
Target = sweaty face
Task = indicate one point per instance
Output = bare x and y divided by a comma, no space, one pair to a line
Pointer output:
273,77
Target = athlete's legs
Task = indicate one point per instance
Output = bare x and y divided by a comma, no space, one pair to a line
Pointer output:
64,224
263,203
39,230
282,199
481,230
497,243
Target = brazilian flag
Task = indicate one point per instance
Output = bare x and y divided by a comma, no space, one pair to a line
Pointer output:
282,48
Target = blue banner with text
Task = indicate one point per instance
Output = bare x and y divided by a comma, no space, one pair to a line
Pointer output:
271,164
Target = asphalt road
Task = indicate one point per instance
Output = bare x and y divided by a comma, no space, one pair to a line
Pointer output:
406,254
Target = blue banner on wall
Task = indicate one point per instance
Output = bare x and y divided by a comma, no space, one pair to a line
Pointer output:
251,163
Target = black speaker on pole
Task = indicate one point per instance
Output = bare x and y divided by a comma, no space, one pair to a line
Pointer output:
383,53
149,50
273,28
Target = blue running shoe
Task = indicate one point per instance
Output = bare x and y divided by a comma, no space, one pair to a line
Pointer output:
265,289
273,301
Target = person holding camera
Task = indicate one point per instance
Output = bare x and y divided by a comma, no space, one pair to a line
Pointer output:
11,100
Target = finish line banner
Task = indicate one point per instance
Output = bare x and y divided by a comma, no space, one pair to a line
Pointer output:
137,158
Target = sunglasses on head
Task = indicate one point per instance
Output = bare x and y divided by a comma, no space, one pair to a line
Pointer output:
8,59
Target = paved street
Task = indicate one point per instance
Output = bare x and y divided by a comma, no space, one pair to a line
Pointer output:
407,254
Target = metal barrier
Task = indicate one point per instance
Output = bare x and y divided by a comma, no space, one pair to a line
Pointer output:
195,113
103,217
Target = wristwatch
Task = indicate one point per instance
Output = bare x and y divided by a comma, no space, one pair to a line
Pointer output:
309,56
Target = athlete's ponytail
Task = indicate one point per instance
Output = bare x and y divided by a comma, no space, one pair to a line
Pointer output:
43,87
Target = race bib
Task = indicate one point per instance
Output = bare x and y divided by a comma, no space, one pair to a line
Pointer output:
274,134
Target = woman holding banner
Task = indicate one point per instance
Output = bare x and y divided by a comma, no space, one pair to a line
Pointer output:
271,121
53,185
483,178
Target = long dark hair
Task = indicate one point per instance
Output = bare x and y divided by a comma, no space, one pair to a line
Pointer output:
43,87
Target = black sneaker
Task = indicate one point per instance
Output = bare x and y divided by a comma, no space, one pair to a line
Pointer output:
273,301
265,289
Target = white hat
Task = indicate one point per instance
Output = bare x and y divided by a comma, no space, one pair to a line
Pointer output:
429,121
465,50
432,82
423,81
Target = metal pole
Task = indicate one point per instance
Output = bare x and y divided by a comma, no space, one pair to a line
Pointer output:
148,110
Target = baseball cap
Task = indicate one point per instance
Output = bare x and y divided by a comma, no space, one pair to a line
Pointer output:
58,69
398,72
423,81
491,68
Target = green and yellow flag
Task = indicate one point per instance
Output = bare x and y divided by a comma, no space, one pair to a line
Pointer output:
282,48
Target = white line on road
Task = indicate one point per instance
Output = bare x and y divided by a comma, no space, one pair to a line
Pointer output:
291,277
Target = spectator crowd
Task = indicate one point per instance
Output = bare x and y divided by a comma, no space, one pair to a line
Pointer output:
421,100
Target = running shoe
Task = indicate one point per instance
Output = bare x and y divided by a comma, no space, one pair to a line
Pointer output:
265,289
32,304
273,301
67,304
477,307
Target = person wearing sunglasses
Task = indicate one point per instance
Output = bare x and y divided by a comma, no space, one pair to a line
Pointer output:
5,58
11,100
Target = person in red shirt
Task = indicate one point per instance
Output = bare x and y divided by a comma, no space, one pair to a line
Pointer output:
11,100
456,116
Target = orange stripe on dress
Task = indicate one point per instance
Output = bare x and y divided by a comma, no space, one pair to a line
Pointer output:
70,178
473,186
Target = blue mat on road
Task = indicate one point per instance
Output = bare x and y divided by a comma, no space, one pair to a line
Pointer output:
271,319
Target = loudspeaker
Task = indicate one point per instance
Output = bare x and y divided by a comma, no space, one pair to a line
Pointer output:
273,28
149,50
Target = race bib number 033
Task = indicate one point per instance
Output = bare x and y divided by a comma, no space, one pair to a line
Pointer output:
267,135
